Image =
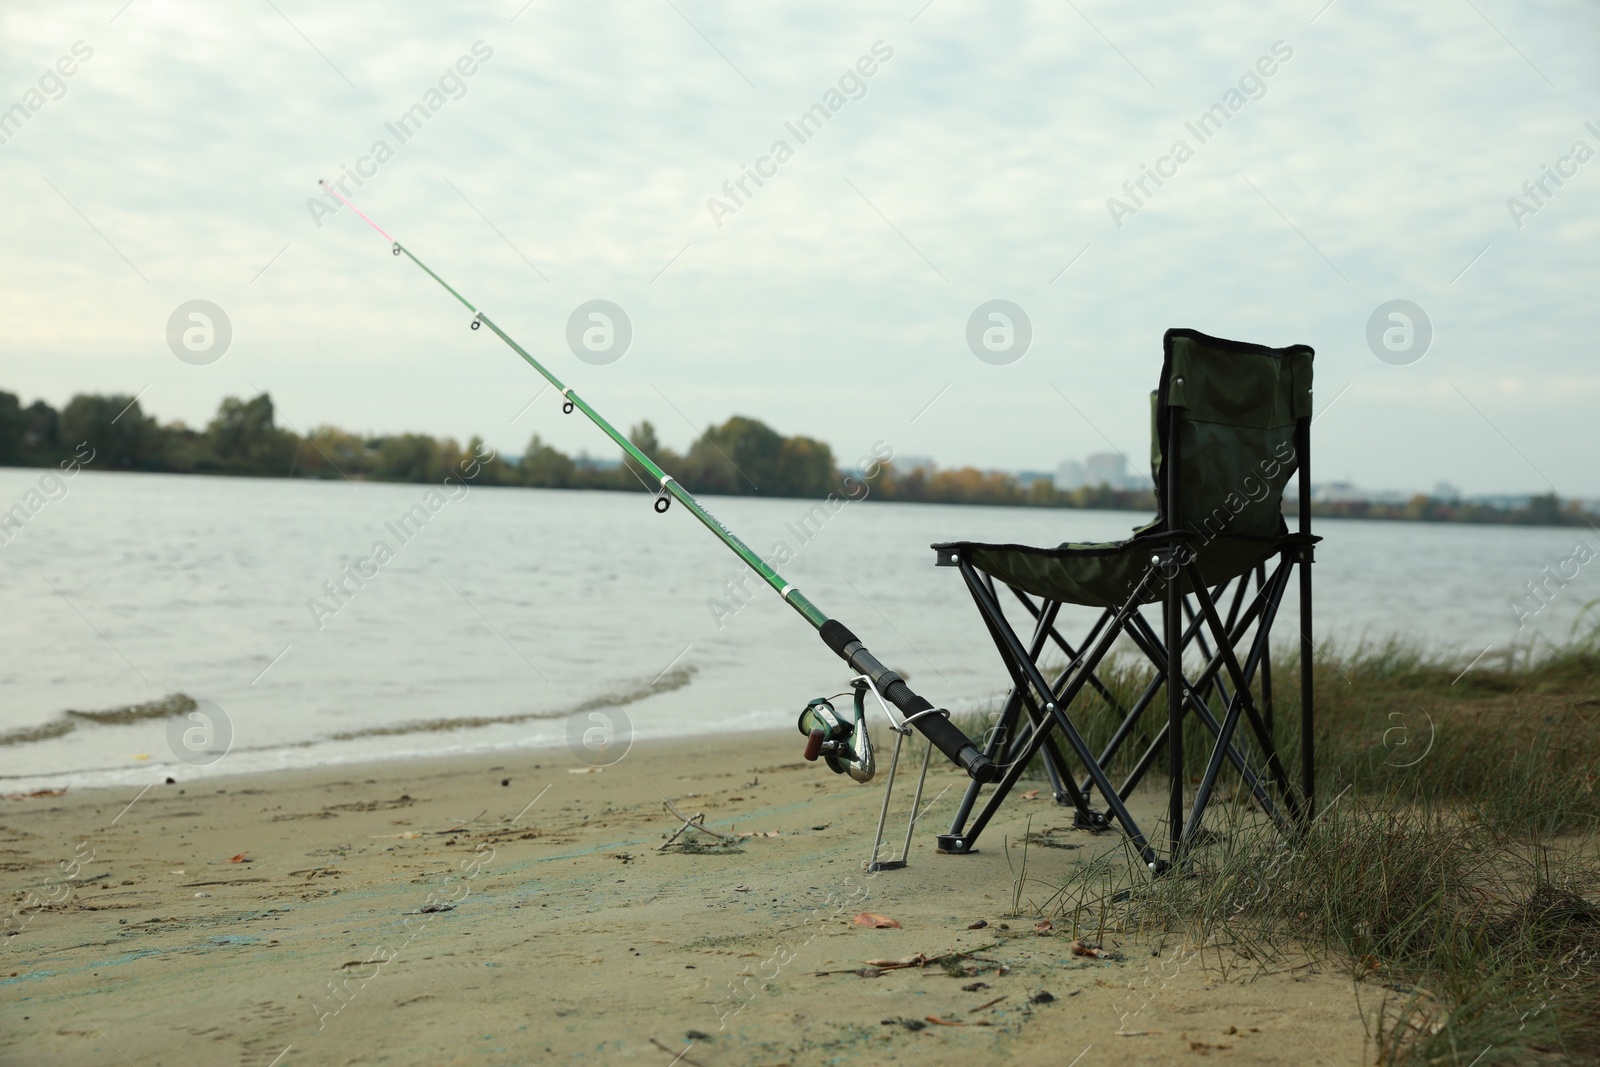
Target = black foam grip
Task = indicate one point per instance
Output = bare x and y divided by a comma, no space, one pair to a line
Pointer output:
836,635
900,695
944,735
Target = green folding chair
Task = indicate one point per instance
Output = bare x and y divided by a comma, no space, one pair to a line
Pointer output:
1231,424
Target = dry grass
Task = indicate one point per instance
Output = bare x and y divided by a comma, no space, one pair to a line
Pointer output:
1455,877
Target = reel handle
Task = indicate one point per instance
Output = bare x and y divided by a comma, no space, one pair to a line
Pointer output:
814,744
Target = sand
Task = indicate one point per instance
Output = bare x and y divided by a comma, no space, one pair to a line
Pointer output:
502,909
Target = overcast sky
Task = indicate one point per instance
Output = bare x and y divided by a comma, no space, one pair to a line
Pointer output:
1374,163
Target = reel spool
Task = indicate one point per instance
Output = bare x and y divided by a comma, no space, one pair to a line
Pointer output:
842,744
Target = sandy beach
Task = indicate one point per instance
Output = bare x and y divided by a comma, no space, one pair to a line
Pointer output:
517,908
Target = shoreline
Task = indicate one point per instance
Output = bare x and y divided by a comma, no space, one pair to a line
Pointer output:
143,771
421,911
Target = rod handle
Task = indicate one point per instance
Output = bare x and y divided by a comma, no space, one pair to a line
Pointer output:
939,730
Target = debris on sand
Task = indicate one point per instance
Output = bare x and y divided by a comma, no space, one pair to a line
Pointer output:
695,822
909,1024
876,922
919,960
36,793
860,972
678,1057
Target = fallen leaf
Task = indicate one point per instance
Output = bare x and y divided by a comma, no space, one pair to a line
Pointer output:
947,1022
242,857
1094,951
979,925
1043,926
877,922
1032,794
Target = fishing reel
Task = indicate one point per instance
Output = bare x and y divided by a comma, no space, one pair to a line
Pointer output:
842,744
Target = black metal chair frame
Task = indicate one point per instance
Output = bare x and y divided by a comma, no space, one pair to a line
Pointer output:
1036,710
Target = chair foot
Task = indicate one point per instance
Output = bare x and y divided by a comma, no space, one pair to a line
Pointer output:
1094,821
886,865
954,845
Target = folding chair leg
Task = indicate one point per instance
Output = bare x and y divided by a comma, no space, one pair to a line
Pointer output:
1152,647
1266,658
1173,616
1308,778
1055,698
1241,675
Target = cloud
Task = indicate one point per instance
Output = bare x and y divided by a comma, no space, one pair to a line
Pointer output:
1376,166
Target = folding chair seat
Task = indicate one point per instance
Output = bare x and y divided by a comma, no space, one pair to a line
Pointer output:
1230,425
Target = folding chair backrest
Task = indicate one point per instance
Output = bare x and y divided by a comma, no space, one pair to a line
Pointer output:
1236,407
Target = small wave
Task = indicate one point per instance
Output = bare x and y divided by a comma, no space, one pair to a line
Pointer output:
666,683
182,704
166,707
175,704
38,733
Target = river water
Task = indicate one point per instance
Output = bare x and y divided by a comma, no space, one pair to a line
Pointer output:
509,616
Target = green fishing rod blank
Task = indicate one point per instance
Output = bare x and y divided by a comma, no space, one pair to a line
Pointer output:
937,727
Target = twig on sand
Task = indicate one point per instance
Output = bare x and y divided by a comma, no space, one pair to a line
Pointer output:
677,1056
697,822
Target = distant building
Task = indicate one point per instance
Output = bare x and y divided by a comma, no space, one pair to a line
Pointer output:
1447,493
1337,493
1101,468
1106,468
1069,476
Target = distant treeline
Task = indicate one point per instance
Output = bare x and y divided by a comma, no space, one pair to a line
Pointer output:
741,457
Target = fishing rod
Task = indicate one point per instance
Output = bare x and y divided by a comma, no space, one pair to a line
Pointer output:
933,723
